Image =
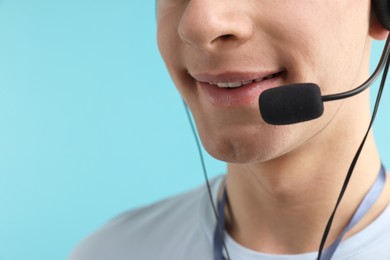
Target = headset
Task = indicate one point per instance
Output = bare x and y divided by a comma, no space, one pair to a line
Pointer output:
382,11
296,103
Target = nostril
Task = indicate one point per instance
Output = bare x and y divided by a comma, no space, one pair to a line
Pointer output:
227,36
224,38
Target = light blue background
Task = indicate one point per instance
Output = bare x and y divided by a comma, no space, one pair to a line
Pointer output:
90,123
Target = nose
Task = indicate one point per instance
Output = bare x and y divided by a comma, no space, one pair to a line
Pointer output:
214,24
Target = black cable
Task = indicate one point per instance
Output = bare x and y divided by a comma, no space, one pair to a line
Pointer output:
206,177
354,161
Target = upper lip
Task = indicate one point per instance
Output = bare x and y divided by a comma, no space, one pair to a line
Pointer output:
230,77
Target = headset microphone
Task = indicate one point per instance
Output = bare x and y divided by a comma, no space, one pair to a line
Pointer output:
295,103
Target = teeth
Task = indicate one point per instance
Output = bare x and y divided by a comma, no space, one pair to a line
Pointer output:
229,84
232,84
222,85
235,84
241,83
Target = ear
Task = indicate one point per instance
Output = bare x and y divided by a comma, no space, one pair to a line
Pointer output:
376,30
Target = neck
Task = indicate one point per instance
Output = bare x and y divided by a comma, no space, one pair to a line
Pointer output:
289,199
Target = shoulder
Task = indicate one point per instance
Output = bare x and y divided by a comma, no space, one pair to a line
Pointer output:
162,226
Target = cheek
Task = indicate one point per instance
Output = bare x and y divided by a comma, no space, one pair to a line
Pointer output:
324,46
172,51
169,42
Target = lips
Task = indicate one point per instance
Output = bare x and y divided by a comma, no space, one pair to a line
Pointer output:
236,89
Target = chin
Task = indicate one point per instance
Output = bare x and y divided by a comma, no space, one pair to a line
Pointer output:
239,137
257,144
244,149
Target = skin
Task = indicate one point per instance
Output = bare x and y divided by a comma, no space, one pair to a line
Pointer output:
282,181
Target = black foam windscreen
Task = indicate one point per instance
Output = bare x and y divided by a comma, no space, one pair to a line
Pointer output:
291,104
382,11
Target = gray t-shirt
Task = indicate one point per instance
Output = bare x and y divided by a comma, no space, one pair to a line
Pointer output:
181,228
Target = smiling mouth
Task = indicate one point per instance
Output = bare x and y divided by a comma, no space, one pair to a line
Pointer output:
237,89
237,84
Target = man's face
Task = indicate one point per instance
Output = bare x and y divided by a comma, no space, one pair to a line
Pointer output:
260,44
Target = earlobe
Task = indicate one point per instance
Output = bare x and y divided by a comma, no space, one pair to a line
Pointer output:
376,30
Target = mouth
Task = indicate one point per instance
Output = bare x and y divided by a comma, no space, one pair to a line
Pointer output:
237,84
237,89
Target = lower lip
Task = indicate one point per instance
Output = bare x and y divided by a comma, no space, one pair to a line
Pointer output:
241,96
